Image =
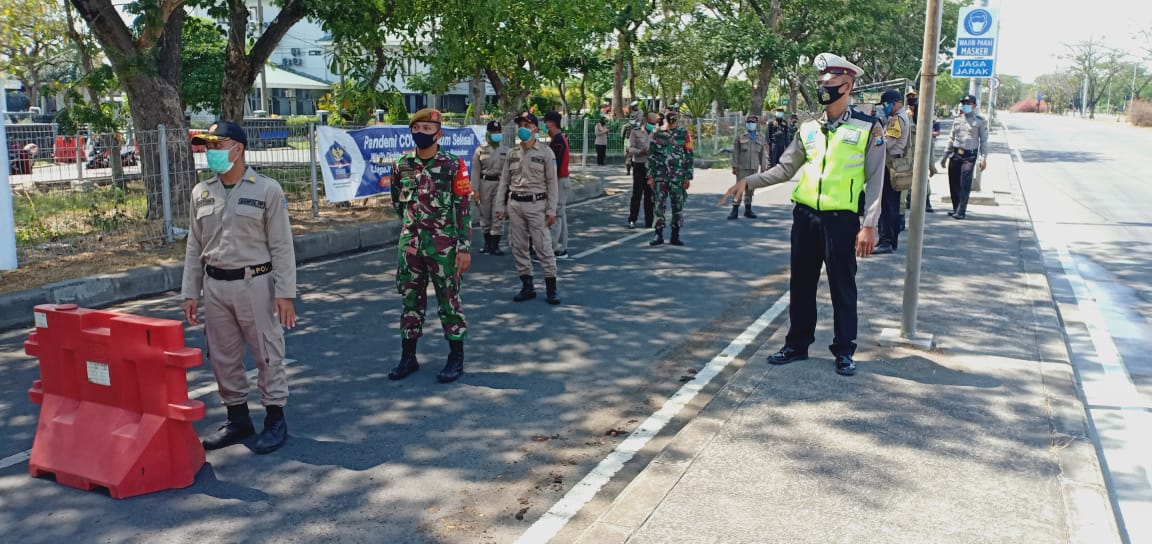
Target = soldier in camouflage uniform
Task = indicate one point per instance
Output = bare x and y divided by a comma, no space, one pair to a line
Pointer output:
670,165
432,194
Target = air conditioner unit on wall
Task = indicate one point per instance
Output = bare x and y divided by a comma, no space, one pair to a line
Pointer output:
295,51
297,62
286,61
289,93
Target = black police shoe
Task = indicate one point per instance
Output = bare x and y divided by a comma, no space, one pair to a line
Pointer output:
882,249
787,355
845,366
749,213
735,212
230,433
454,366
408,363
273,436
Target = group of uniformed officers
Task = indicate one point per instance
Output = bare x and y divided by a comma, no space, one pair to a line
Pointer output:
240,258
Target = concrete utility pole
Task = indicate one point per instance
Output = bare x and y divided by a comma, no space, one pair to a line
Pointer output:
263,77
908,335
7,213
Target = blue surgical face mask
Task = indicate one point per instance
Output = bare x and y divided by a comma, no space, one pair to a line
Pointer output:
887,109
496,138
779,115
750,126
524,133
966,108
219,160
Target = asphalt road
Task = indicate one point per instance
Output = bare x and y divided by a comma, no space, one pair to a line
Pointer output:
549,391
1086,185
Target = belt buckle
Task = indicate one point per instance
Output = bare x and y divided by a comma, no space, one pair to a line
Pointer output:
960,152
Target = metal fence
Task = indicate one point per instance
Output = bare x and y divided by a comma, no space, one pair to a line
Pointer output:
70,196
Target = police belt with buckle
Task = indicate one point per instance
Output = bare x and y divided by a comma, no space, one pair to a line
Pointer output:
492,178
964,153
224,274
528,197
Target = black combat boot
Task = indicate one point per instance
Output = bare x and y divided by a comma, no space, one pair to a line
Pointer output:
748,212
675,240
495,249
454,368
235,430
487,243
735,212
275,431
553,295
658,239
527,290
408,363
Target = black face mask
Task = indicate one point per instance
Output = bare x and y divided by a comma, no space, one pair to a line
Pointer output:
422,140
828,94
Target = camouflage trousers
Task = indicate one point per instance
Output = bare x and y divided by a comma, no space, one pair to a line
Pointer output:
413,272
674,189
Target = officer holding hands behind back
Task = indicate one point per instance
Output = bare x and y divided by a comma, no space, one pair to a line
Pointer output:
841,159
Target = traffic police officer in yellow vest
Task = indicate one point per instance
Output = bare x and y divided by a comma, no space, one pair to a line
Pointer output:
487,162
240,256
841,160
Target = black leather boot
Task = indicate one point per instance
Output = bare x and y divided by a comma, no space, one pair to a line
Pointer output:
553,295
408,363
235,430
675,240
487,243
748,212
658,239
495,249
454,368
735,212
527,290
275,431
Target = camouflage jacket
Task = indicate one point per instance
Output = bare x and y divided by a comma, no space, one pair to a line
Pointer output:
432,198
670,155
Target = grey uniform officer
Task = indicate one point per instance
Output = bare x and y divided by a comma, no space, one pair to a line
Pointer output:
487,162
240,257
967,142
528,195
749,156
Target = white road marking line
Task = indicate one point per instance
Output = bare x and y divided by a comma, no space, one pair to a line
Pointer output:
1122,427
591,200
554,520
613,243
23,456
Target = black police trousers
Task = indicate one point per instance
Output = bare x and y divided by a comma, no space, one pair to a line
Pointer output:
889,227
960,171
640,191
828,238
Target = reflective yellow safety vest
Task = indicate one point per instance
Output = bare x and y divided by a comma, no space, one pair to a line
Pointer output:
833,178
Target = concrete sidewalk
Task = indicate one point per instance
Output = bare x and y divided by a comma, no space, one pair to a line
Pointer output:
983,439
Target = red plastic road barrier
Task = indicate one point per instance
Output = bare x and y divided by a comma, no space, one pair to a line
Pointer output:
66,149
114,401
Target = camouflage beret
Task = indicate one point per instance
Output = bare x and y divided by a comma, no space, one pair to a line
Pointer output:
431,115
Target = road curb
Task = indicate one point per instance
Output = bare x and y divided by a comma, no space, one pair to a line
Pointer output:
108,289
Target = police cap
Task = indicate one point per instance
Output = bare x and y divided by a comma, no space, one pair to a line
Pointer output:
891,96
221,131
495,126
428,115
968,99
830,64
752,119
529,117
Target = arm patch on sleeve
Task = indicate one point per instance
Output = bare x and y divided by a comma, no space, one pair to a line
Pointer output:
462,184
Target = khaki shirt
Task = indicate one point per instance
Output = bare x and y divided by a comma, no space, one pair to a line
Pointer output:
970,133
601,134
748,153
487,161
245,226
897,132
638,141
529,171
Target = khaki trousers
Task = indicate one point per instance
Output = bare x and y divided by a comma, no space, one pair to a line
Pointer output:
238,313
527,227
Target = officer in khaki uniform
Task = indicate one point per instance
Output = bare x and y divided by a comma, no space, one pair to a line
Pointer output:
748,157
487,162
896,135
240,256
528,195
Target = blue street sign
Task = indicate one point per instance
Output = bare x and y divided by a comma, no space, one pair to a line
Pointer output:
972,68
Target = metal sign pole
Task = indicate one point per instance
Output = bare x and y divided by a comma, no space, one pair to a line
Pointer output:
7,213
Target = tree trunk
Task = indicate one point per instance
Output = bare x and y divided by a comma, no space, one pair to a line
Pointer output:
242,65
478,96
563,99
760,88
584,90
632,76
618,80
